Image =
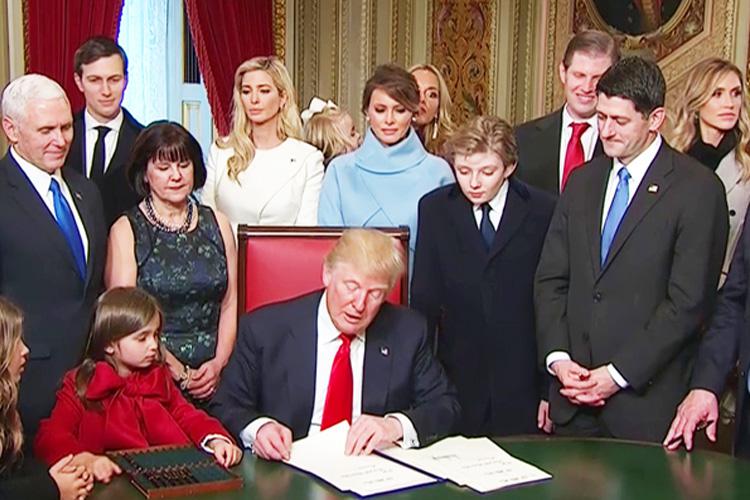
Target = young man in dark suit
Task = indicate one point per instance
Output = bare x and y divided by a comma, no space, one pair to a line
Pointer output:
478,245
338,354
104,131
52,238
551,147
629,269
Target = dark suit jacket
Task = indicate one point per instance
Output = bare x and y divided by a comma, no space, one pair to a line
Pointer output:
30,479
539,152
117,195
641,311
38,272
728,338
484,304
272,371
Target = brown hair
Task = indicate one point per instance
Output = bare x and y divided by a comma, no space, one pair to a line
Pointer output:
370,251
94,49
701,83
11,432
591,42
399,84
118,313
164,141
484,134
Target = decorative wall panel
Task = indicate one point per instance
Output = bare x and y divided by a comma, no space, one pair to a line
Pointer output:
462,48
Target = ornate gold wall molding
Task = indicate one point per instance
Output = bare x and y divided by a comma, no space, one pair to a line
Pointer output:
335,45
4,60
526,55
279,28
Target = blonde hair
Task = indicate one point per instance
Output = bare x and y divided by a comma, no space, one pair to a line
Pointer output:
240,137
118,312
11,431
439,129
484,134
701,83
323,132
369,251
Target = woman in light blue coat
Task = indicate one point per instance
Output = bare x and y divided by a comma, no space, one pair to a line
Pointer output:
380,183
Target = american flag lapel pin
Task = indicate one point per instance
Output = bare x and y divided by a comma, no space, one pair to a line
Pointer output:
384,350
653,188
77,195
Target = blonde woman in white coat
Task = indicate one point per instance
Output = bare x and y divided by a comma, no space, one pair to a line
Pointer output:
261,173
712,124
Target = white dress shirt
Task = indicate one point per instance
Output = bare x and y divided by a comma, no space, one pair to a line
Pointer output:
497,205
328,344
110,140
637,169
41,181
588,139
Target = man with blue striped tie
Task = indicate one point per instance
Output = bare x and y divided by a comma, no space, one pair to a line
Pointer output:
629,269
52,238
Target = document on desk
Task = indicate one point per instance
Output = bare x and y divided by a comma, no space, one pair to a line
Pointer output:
477,463
323,455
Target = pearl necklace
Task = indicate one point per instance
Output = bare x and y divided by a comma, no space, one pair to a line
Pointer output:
163,226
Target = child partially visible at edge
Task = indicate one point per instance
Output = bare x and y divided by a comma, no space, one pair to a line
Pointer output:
330,129
19,476
122,395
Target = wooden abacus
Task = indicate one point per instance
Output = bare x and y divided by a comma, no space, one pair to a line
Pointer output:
172,471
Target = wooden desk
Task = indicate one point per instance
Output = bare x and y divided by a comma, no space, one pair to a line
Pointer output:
582,469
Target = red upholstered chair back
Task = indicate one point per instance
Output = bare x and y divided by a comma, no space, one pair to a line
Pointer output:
281,262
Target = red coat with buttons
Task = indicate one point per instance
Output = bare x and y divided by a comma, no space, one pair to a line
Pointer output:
144,409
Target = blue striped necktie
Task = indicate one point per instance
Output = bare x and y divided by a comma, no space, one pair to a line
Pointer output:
68,226
616,212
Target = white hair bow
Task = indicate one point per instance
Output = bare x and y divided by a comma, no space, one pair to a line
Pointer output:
316,105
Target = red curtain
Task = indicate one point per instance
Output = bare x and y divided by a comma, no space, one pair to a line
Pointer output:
54,29
225,33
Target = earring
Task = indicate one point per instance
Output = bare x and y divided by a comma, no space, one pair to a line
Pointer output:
435,127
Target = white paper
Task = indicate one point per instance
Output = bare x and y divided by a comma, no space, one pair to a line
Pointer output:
477,463
322,454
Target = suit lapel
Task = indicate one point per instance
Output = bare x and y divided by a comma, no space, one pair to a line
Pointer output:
377,370
128,133
301,353
29,201
644,200
75,159
593,206
466,231
551,132
514,213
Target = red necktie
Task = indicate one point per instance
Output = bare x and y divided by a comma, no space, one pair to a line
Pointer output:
574,157
338,404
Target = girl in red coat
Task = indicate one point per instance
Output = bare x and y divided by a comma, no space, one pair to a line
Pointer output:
122,396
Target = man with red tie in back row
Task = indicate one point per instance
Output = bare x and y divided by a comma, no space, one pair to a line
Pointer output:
551,147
